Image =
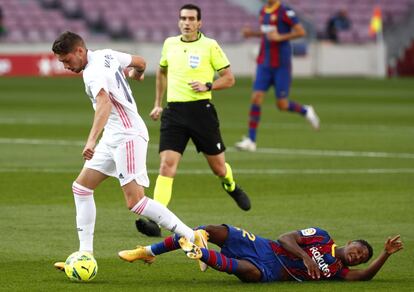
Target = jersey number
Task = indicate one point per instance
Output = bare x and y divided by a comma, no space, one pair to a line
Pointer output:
247,234
119,75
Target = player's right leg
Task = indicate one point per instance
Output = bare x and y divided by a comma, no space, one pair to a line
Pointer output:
148,253
262,83
83,188
224,172
248,143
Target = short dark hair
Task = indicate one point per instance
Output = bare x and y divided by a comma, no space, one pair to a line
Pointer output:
192,7
368,246
67,42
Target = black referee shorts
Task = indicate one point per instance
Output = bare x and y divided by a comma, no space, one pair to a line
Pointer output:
197,120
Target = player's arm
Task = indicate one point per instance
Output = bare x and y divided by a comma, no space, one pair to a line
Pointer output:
290,241
138,66
102,112
160,87
392,245
297,31
248,32
225,80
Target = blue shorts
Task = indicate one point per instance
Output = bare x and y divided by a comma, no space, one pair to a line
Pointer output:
244,245
279,77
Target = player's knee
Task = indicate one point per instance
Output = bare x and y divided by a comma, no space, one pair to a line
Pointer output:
217,234
257,98
282,104
168,168
248,273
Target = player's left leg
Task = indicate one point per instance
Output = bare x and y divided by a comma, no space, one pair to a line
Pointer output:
148,253
223,170
282,81
130,160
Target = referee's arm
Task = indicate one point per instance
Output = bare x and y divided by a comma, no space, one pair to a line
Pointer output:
226,79
160,87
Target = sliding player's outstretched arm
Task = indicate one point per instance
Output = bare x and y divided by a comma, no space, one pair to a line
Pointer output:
392,245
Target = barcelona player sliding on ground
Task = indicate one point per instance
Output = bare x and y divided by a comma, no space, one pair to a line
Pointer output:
302,255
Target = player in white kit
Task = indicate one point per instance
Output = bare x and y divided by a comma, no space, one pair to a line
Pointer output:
122,149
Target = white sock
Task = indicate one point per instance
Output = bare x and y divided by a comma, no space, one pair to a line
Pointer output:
149,250
85,216
163,217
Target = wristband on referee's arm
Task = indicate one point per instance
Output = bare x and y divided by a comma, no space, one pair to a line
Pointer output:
209,86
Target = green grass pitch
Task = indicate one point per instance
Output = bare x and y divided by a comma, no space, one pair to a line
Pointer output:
354,178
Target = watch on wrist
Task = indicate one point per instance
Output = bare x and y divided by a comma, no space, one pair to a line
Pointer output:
209,86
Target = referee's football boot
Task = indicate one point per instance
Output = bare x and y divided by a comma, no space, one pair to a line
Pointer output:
140,253
148,227
239,196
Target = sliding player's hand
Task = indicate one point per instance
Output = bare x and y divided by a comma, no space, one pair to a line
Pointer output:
313,269
392,245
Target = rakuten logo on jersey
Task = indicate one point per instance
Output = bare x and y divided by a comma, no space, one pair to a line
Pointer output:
318,258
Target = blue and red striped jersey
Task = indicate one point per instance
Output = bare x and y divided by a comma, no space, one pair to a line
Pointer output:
282,18
320,247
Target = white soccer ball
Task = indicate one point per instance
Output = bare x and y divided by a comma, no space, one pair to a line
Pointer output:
81,266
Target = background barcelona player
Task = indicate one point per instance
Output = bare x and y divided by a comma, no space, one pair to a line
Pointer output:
302,255
278,25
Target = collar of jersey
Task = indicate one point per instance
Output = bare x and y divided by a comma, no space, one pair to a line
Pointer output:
333,250
272,8
198,37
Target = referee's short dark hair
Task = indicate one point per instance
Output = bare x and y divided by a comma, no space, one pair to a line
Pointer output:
192,7
67,42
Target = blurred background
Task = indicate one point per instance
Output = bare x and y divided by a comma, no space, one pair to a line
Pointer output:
338,43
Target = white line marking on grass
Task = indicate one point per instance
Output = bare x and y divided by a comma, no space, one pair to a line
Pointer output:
335,153
304,152
237,171
41,142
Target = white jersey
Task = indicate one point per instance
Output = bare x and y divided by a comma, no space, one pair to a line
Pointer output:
105,71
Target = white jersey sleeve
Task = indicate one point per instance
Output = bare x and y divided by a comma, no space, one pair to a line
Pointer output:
123,58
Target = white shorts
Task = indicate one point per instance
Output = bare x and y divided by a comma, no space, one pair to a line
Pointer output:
127,161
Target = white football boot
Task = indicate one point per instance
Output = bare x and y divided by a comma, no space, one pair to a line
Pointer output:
312,117
246,145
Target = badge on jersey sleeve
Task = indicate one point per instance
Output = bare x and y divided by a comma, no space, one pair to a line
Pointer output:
194,61
308,231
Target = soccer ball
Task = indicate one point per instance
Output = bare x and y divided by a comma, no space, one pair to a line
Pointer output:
81,266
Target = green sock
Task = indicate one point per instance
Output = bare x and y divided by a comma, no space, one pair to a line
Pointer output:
227,180
163,189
